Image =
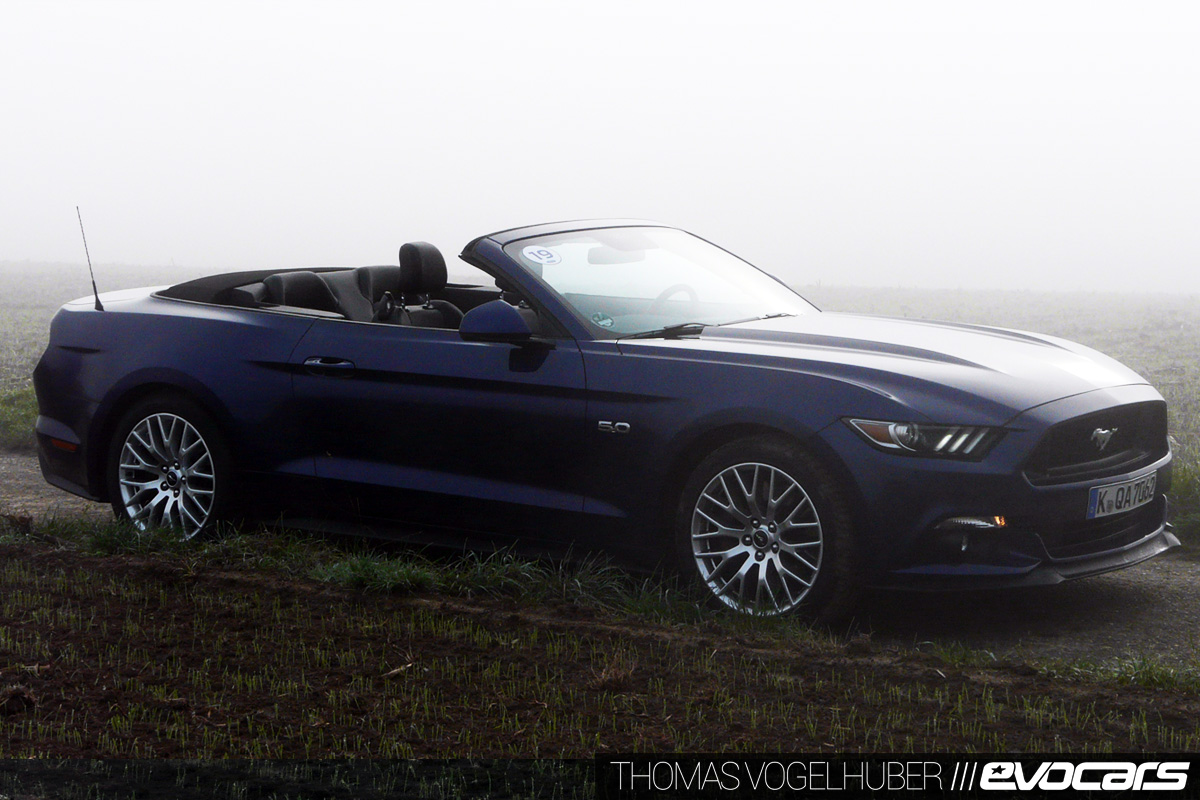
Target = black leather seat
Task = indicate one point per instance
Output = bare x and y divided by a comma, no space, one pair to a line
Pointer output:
300,290
388,288
422,273
353,291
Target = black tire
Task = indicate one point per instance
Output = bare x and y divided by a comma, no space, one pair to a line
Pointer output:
754,555
168,465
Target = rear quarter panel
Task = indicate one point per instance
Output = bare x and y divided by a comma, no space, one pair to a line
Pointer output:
231,361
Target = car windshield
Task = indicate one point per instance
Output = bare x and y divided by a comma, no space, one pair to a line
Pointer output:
642,280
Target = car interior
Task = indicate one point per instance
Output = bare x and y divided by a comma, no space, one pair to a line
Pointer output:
415,293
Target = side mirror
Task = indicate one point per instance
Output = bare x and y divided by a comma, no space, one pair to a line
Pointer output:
495,321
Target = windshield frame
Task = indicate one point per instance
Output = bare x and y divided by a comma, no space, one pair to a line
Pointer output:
511,249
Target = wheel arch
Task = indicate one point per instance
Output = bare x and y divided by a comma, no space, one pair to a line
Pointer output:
135,389
696,448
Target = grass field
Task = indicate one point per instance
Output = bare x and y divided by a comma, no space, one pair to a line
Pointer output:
276,646
32,292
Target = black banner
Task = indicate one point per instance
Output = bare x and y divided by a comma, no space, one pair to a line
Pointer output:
613,777
626,777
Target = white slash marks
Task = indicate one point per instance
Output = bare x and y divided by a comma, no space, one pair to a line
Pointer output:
965,773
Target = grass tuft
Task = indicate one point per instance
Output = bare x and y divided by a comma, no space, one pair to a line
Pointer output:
114,538
502,573
1185,496
1144,671
18,414
376,574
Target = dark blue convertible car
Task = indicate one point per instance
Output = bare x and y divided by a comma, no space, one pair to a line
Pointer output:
623,386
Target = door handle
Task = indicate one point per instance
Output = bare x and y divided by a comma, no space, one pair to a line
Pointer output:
325,365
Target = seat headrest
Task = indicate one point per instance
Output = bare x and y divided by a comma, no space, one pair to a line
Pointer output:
301,290
422,267
392,279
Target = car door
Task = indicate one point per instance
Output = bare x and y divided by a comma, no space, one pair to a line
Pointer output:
416,426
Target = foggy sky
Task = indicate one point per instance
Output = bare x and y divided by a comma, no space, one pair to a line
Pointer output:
1041,145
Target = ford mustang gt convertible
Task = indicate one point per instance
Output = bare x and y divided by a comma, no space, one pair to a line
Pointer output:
624,387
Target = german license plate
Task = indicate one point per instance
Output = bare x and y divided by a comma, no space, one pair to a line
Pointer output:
1116,498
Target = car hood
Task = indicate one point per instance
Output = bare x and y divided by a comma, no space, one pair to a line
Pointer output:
1008,371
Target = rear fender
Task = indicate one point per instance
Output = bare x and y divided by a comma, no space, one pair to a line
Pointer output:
131,389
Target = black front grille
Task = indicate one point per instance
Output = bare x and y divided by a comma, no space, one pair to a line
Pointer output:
1073,539
1070,451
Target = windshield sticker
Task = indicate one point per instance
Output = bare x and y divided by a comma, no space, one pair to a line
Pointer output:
602,319
541,255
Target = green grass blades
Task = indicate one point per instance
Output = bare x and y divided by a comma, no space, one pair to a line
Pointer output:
270,644
18,413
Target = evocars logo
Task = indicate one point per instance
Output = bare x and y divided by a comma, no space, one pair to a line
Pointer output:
1102,436
1089,776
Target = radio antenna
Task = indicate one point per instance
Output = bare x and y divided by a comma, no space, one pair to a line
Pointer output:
92,274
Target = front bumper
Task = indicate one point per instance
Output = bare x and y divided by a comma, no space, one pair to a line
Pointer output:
1044,571
1046,537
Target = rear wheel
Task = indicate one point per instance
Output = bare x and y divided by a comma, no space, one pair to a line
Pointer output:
765,529
168,467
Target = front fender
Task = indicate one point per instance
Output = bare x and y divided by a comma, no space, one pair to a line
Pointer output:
678,405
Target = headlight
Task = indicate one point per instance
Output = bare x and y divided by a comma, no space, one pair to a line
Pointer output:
964,442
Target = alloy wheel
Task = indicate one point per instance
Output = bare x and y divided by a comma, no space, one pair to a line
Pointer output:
757,539
166,475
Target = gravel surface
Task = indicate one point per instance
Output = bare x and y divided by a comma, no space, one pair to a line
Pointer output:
1151,610
23,490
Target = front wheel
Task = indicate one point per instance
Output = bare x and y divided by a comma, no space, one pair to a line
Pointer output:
168,467
764,528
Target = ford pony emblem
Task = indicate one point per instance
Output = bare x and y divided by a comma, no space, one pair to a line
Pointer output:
1102,436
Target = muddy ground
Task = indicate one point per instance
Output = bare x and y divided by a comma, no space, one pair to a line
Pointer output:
1151,610
696,661
643,701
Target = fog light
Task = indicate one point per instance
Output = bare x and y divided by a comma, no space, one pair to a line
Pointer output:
973,523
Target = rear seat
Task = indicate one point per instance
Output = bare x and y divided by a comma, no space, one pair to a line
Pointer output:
355,294
351,289
300,290
358,294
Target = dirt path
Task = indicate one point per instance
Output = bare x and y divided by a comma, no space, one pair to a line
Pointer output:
1152,610
23,490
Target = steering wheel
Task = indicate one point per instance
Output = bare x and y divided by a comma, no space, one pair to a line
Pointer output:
657,303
